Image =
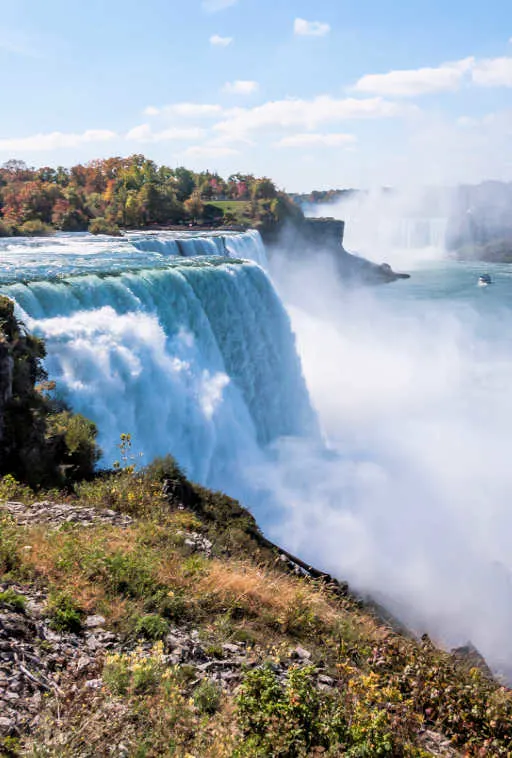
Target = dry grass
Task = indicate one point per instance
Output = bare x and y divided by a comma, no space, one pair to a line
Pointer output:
257,588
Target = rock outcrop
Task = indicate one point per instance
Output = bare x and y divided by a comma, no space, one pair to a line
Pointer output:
308,236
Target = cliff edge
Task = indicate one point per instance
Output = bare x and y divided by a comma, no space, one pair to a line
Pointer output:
307,236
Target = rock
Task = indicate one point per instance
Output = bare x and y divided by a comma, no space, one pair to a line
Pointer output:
55,514
94,684
301,653
469,657
229,647
6,726
93,621
326,680
83,663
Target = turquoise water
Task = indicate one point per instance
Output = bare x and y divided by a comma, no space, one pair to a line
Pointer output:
368,429
191,354
29,259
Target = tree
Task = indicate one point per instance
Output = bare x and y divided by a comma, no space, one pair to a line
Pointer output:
194,206
185,183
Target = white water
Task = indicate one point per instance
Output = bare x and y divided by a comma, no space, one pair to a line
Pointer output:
195,356
189,355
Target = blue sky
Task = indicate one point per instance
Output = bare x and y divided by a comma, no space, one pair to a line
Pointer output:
315,95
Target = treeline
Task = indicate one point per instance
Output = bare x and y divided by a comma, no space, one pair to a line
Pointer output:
104,195
322,196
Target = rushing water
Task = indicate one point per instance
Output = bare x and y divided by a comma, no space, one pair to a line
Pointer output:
192,355
186,344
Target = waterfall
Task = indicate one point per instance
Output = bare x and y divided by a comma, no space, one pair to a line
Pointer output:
193,356
247,245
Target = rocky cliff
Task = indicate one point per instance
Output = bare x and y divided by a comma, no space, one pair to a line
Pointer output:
308,236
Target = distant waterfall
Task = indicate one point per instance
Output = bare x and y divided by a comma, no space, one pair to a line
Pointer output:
193,356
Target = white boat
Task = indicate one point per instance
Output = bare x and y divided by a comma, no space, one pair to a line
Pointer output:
484,280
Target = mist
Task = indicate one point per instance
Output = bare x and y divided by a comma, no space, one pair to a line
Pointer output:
412,502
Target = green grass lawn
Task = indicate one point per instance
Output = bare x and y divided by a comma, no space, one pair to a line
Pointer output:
232,206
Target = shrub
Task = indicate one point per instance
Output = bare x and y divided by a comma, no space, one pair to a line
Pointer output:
11,489
135,673
6,230
9,545
130,574
13,599
207,697
152,627
64,613
38,446
34,228
102,226
171,605
81,449
287,720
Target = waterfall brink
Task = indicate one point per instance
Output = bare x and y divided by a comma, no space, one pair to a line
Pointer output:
195,357
247,246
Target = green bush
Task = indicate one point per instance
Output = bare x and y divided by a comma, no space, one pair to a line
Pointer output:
64,613
11,489
13,599
170,605
152,627
102,226
6,230
34,228
9,545
81,449
207,697
288,720
130,574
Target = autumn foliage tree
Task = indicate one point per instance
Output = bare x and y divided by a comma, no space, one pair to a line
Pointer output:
132,192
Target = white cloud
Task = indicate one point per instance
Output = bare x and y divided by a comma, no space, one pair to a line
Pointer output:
151,111
448,77
307,114
241,87
192,110
55,140
144,133
303,28
217,41
209,151
493,72
212,6
421,81
315,139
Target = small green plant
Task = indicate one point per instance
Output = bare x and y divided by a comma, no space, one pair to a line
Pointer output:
168,603
128,460
152,627
207,697
136,673
10,746
11,489
11,598
9,545
64,613
130,574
